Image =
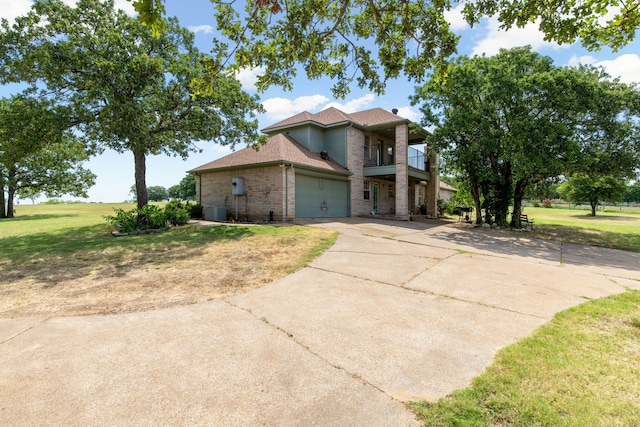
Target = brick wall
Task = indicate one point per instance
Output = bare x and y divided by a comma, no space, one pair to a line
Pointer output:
402,172
433,186
355,163
264,188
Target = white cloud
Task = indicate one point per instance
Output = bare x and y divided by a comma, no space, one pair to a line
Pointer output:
624,66
354,105
497,39
409,113
455,19
11,9
281,108
248,77
205,29
575,60
125,5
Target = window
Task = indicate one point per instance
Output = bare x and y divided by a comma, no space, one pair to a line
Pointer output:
367,147
367,193
390,152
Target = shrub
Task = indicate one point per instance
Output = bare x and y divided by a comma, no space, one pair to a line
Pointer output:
546,203
149,217
176,212
123,221
195,211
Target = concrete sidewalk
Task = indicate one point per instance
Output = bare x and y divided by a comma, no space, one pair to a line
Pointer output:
393,312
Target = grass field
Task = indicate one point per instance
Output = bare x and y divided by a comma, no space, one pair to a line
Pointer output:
612,228
62,260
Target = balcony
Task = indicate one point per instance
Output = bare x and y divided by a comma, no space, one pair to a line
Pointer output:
384,167
417,160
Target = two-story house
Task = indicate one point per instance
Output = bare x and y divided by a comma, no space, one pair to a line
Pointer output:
327,164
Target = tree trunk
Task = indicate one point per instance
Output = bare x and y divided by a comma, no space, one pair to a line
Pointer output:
518,195
503,202
476,201
10,210
594,207
3,212
11,191
140,162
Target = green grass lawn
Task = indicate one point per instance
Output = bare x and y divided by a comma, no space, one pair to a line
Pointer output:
80,228
62,260
612,228
581,369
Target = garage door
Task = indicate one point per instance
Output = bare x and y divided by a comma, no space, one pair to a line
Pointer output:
321,197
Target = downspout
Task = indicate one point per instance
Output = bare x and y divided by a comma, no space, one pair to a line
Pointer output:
199,188
286,193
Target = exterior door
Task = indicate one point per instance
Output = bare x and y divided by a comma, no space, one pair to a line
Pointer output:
376,197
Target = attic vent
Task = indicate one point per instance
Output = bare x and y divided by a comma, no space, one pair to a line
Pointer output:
394,111
324,155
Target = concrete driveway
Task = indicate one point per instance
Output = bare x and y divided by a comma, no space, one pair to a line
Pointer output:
393,312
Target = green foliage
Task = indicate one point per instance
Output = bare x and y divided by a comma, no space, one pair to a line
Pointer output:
581,187
186,190
547,189
39,154
148,217
485,129
195,211
157,193
507,122
596,23
329,39
334,38
177,212
632,194
128,90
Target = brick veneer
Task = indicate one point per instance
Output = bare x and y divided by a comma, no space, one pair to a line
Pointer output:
264,187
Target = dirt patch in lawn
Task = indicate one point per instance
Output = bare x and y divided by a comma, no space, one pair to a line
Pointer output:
111,282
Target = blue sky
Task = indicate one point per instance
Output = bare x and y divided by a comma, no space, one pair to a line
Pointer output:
115,174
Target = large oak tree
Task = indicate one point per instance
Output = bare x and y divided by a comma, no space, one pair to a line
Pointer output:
507,122
370,41
38,152
131,91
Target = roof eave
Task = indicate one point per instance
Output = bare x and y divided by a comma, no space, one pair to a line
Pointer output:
279,129
346,172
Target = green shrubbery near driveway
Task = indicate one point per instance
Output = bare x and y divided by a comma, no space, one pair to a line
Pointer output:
152,217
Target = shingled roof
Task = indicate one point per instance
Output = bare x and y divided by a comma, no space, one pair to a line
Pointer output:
333,116
279,148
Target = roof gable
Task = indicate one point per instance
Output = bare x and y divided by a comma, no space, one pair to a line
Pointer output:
333,116
279,148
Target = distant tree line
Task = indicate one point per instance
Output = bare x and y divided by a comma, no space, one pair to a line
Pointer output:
185,191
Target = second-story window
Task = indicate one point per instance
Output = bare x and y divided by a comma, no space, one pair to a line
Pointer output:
367,147
390,154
